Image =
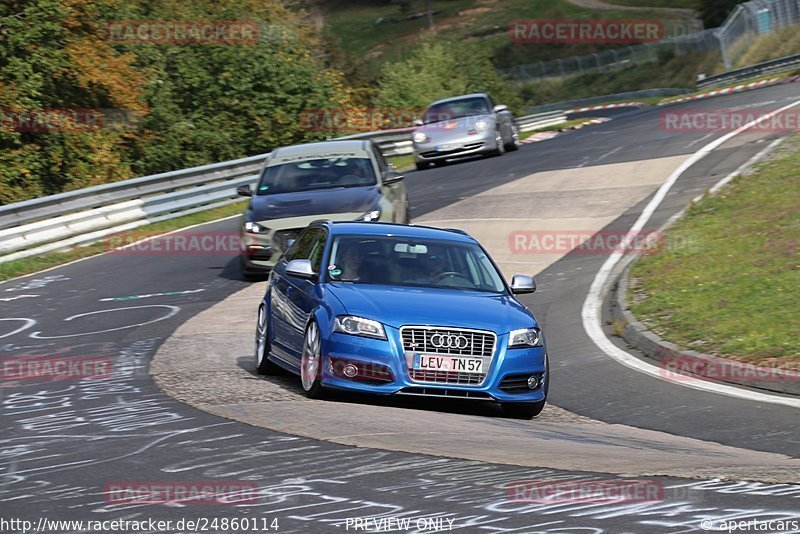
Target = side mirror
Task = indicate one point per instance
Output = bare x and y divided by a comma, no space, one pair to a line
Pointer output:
500,107
417,122
392,178
244,191
300,269
521,284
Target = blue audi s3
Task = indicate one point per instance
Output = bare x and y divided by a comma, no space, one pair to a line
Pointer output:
391,309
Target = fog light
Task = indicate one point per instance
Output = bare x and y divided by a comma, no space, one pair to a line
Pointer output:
350,370
533,382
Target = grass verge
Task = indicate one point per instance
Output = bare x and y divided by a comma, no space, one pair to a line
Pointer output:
729,285
32,264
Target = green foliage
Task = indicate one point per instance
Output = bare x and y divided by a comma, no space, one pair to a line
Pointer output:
441,69
725,280
192,103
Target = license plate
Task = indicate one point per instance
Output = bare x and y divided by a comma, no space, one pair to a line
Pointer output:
428,362
452,146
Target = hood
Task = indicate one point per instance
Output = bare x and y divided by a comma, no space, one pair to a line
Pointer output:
455,127
317,202
398,306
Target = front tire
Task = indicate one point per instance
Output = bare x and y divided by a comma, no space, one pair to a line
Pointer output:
311,363
501,148
422,165
514,145
264,366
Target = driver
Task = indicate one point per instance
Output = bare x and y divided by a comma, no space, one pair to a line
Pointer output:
350,259
435,265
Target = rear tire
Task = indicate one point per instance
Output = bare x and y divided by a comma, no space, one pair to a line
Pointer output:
263,364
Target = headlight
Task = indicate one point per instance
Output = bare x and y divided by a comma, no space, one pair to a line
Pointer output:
420,137
481,125
255,228
358,326
525,337
370,216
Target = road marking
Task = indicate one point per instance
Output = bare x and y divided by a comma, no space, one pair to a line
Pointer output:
592,306
609,153
172,311
28,324
9,299
706,136
60,265
148,295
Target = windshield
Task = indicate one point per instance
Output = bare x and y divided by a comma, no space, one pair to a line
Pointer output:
403,261
311,174
455,109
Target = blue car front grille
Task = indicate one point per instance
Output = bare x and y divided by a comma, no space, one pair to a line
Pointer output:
421,339
458,342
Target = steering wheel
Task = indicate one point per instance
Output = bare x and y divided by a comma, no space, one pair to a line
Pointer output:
451,274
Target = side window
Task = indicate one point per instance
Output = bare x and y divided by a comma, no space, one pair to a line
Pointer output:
301,249
318,249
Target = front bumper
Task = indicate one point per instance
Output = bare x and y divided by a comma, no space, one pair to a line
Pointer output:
440,149
509,368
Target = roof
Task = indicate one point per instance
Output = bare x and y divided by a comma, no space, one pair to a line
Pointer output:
460,97
322,149
402,230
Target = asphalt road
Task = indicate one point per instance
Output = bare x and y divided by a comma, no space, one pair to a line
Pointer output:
62,442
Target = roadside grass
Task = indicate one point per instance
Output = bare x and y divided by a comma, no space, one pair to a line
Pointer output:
729,284
366,45
32,264
670,71
403,163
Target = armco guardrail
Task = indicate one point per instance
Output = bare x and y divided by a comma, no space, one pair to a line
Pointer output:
541,120
79,217
773,66
87,215
629,95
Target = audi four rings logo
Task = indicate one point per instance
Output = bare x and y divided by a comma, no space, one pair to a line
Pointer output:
449,341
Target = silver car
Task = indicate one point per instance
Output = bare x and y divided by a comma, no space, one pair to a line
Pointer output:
463,126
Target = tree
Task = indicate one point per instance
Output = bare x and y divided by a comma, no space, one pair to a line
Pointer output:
438,70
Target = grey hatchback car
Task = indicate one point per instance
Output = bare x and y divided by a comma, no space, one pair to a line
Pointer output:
463,126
